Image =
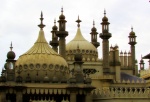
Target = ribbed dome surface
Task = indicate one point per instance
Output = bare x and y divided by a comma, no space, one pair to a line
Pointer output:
41,58
87,49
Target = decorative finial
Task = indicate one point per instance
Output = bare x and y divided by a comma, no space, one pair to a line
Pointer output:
62,10
104,12
78,21
41,25
11,46
132,28
55,21
93,23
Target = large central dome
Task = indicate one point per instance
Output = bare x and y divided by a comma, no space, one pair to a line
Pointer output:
88,50
41,62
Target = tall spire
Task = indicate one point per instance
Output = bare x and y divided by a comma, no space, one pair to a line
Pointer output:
62,10
11,47
132,28
41,25
93,23
55,22
104,12
78,21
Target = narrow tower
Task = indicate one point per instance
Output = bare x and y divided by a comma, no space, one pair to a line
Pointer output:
132,42
141,64
94,36
62,33
105,35
54,43
10,65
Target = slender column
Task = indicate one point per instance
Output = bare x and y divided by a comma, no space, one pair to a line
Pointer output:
88,97
19,96
73,97
133,56
106,55
62,47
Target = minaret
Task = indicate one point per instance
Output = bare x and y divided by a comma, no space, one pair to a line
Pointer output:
10,65
62,33
141,64
132,42
105,35
54,43
94,36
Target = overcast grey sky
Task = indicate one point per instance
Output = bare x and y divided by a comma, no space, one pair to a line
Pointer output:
19,20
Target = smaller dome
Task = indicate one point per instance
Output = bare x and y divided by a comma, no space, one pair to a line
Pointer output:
61,16
11,55
132,33
54,27
104,19
93,29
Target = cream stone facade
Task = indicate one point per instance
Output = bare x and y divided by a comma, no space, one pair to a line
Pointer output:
74,73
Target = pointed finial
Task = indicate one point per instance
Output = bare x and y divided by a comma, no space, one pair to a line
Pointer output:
131,28
104,12
93,23
78,21
55,21
11,46
62,10
41,25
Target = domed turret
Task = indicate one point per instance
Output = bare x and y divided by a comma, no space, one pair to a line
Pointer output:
40,58
62,15
11,55
54,28
104,19
132,33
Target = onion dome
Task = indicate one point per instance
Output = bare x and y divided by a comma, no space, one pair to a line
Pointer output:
94,29
104,19
54,27
132,33
11,55
40,58
88,50
62,16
